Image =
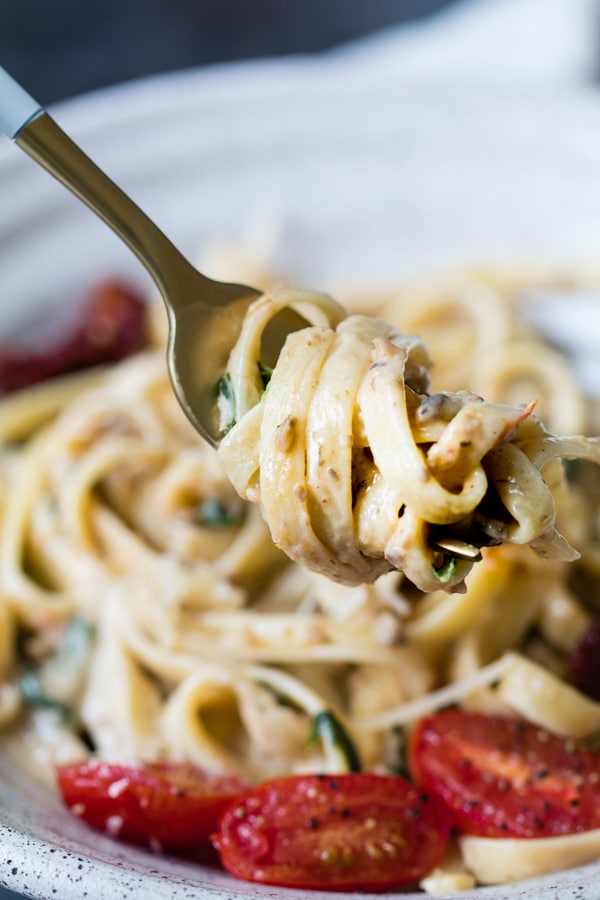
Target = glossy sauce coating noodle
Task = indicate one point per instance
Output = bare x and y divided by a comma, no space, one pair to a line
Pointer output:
359,469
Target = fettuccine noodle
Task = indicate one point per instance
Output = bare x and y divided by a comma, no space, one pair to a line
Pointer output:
148,606
359,469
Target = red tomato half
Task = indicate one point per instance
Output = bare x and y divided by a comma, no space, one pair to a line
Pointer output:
109,325
170,806
503,777
335,832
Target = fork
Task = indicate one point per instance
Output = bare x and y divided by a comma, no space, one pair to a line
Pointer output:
205,316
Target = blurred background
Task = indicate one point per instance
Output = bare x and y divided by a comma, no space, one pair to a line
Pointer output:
60,48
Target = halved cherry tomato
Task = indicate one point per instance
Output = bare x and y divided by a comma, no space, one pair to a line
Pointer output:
504,777
346,832
110,325
164,805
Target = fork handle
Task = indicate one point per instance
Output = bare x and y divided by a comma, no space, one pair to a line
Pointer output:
36,132
17,107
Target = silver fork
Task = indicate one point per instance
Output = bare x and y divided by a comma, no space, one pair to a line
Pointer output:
205,316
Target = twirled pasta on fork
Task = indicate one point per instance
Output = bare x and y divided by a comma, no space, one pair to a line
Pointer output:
359,469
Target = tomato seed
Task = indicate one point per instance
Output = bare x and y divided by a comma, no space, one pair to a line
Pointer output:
391,849
347,856
373,850
329,856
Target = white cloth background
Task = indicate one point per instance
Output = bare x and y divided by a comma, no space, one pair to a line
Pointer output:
502,43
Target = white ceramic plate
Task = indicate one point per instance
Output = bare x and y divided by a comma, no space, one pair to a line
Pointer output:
350,179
